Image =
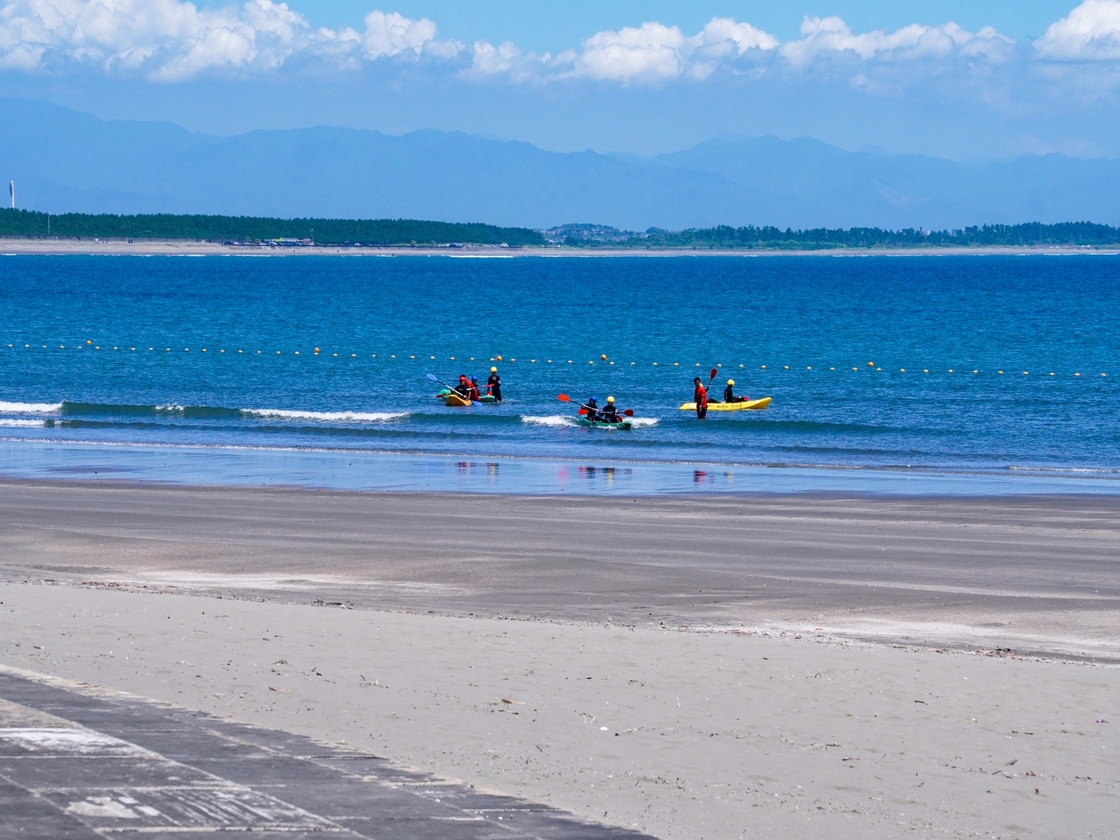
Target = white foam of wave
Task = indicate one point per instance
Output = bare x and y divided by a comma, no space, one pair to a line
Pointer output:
9,423
30,408
549,420
644,421
327,416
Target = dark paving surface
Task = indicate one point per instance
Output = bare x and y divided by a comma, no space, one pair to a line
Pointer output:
78,766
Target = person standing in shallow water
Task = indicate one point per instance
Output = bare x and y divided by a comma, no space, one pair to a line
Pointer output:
700,395
494,385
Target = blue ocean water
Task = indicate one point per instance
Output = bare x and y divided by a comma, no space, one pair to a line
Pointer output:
961,365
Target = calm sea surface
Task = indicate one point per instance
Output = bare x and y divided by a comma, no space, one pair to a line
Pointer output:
209,366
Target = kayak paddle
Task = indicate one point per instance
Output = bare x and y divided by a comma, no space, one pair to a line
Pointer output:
452,390
711,379
584,408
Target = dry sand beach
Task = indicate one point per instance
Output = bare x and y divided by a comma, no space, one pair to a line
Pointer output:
784,666
187,247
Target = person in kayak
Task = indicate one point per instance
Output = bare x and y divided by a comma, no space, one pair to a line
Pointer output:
463,388
473,395
494,385
729,393
592,409
700,395
610,412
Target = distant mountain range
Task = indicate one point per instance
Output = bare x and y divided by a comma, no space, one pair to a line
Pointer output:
64,160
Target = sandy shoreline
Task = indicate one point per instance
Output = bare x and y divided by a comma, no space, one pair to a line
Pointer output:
785,666
1038,575
175,247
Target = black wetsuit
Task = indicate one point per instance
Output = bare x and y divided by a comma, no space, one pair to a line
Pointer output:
729,395
494,386
593,413
610,413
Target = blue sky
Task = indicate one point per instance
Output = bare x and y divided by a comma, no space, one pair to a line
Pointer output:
966,80
554,25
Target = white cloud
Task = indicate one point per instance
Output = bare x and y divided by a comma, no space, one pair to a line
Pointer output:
172,40
648,53
654,52
831,36
1091,32
722,36
651,51
392,34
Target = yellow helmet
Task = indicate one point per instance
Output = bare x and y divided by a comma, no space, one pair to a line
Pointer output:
610,399
493,370
730,381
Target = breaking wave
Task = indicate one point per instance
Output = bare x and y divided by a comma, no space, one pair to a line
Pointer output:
549,420
30,408
327,416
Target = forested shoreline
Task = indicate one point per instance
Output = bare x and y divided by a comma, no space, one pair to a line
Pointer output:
408,232
253,230
1075,234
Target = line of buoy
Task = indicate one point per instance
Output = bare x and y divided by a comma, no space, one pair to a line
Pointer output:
603,358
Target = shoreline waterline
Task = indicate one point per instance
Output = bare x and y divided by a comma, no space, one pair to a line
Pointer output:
184,464
195,248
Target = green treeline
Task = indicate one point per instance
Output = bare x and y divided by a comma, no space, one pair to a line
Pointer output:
1065,233
251,229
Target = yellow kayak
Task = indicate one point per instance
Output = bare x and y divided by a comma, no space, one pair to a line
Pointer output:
749,405
455,401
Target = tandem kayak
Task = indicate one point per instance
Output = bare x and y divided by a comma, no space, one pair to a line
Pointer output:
603,424
749,405
450,398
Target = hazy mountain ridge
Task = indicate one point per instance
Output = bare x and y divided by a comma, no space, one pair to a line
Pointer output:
63,160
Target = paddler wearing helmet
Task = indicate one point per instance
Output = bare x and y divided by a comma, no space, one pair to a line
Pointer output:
592,410
610,411
729,393
494,385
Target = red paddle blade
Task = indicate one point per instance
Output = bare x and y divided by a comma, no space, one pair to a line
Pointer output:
714,373
583,411
564,398
629,412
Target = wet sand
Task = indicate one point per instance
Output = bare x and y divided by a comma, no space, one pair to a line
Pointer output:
1038,575
692,667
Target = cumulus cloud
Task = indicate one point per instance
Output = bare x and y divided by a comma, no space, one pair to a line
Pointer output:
392,34
1091,32
656,53
172,40
831,36
509,61
651,52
